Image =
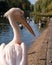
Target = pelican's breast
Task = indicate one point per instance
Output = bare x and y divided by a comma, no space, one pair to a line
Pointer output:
18,53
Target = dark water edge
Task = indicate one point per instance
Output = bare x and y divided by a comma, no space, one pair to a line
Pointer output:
6,33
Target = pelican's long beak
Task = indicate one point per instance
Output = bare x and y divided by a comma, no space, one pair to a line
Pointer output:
22,21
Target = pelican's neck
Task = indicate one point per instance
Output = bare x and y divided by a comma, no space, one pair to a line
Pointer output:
16,30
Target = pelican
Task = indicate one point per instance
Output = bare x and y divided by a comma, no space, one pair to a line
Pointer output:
14,53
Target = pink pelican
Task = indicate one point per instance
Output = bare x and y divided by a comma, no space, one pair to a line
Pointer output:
14,53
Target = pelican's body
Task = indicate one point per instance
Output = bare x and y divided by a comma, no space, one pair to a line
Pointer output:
14,53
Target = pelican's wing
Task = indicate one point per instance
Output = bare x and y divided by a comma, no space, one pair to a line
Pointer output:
24,55
2,46
7,55
11,55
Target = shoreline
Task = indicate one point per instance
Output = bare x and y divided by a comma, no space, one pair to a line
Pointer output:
37,51
40,52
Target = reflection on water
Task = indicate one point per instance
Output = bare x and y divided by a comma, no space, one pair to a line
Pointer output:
6,33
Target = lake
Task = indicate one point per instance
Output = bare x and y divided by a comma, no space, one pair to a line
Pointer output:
6,33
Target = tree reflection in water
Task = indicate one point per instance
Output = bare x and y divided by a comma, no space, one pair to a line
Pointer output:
4,31
3,28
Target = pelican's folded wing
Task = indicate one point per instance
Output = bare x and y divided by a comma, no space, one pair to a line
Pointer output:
2,46
7,55
11,56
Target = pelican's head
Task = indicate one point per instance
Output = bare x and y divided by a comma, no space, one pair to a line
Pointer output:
18,15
